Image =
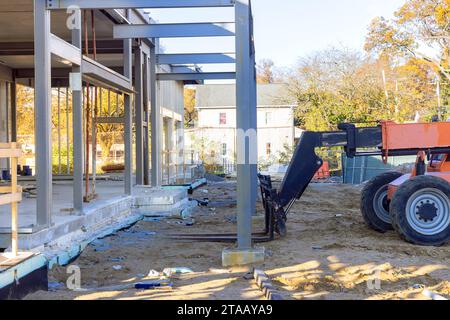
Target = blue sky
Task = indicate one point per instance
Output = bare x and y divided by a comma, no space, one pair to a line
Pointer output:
285,29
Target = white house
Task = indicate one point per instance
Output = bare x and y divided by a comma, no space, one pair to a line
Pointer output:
216,124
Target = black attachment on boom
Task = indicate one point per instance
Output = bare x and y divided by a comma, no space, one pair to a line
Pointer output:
305,163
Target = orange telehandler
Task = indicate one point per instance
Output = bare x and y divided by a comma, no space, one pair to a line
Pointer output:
416,205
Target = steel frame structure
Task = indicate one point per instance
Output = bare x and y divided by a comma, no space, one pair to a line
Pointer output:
145,88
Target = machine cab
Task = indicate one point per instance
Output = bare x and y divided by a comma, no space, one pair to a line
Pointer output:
439,163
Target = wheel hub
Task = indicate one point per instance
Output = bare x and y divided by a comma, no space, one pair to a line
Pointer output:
427,212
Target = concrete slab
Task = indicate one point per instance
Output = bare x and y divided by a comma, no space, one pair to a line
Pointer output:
236,257
161,202
147,196
109,208
62,204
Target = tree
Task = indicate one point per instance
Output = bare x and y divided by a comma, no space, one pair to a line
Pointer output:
265,71
340,85
207,150
107,133
190,113
417,24
25,113
334,86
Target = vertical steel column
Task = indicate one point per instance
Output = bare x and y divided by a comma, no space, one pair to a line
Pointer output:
138,100
128,119
77,119
156,131
43,114
170,148
67,133
14,111
244,79
146,105
59,130
253,107
180,148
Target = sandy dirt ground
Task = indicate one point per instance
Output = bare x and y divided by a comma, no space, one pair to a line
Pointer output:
329,253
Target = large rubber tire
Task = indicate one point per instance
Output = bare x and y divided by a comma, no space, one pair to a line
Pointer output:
375,204
420,211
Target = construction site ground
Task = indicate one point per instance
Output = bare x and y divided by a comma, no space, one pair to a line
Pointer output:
329,253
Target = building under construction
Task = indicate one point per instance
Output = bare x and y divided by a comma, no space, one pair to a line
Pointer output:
81,66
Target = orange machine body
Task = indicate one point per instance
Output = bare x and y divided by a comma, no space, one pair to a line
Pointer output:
423,136
418,136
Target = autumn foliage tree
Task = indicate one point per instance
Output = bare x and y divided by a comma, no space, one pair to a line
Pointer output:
341,85
190,113
420,35
265,71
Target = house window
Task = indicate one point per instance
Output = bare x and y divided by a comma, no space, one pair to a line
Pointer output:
268,149
224,149
268,118
213,154
223,118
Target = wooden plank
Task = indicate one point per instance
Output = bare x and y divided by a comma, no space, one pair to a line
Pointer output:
14,216
7,260
7,145
10,153
8,189
10,198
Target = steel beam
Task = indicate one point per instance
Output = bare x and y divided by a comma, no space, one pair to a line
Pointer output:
128,118
196,76
253,115
156,154
170,126
180,148
174,30
77,125
14,110
139,109
195,58
244,108
27,48
97,72
136,4
65,51
43,116
146,106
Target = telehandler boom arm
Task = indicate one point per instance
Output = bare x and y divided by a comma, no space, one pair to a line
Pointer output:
388,139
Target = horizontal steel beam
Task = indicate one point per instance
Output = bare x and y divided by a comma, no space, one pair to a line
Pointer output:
67,53
195,58
27,48
28,73
196,76
101,75
174,30
184,69
136,4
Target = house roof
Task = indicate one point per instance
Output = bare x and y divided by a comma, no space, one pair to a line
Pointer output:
223,95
